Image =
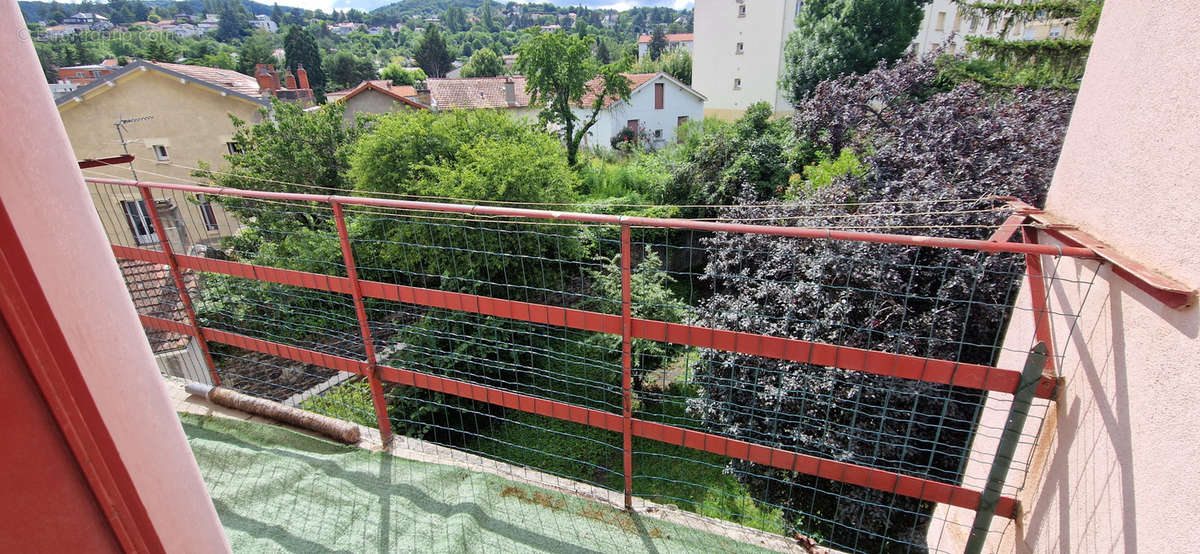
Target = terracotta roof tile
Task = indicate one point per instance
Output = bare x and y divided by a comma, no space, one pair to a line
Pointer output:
482,92
224,78
671,37
635,80
153,291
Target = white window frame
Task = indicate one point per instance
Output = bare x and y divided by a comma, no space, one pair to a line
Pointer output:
141,225
160,153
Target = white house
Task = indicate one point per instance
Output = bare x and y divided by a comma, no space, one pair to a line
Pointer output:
265,23
657,104
674,40
739,53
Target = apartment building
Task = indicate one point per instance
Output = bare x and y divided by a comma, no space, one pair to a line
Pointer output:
946,25
739,53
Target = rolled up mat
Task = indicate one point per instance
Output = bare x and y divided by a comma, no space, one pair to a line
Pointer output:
336,429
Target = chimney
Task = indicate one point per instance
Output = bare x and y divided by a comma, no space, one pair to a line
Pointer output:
274,78
302,75
290,80
510,92
263,76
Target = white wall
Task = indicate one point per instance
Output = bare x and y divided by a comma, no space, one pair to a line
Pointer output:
677,101
716,63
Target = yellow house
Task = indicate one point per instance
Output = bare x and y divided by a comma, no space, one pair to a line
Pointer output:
175,116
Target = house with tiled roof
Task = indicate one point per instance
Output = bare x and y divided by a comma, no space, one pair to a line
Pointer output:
181,117
497,93
658,104
376,97
674,40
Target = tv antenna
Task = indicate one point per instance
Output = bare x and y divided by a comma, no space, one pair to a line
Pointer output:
120,125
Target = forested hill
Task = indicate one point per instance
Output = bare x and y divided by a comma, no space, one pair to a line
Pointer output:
36,10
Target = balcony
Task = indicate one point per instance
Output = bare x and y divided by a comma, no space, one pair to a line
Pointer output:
611,366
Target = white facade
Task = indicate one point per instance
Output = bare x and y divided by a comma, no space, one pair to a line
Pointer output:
265,23
943,21
680,103
739,53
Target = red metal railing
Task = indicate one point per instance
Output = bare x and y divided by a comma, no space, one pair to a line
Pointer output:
974,376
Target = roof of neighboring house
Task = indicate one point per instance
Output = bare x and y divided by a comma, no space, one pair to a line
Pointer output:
153,290
475,93
221,80
671,37
636,80
383,86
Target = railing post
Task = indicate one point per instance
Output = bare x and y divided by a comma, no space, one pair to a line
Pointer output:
627,360
364,327
1037,292
1022,400
165,243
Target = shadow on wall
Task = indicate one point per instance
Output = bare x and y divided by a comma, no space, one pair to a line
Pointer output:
1091,464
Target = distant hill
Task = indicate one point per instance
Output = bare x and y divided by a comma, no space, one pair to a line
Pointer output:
33,10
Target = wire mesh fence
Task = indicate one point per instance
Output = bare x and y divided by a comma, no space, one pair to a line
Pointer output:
776,369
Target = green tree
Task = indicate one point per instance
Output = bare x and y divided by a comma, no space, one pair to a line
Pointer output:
300,49
160,49
678,64
483,63
834,37
658,43
401,76
602,53
1047,62
559,70
432,54
233,23
347,71
257,48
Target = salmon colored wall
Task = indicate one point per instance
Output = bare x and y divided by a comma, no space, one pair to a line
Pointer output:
90,335
1115,467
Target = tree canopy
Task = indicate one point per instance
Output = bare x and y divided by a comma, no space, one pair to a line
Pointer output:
558,69
432,53
835,37
483,63
300,49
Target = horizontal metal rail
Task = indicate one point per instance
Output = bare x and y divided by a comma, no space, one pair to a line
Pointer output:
878,479
946,372
711,226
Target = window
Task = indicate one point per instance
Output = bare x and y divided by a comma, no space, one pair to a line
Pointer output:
1029,34
742,10
681,120
233,148
632,125
96,73
80,74
916,48
658,95
207,214
160,153
991,24
737,83
941,22
1055,32
957,22
139,221
1041,14
741,47
974,23
658,133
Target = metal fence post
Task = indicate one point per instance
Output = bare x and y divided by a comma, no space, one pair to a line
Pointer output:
364,327
627,360
1022,400
165,243
1038,299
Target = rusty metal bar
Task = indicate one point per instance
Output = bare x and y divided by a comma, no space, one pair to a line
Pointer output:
165,243
710,226
103,162
1039,300
1008,228
364,326
1007,448
627,361
844,472
876,362
1159,286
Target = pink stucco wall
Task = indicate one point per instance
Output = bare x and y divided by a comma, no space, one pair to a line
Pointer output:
56,224
1115,469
